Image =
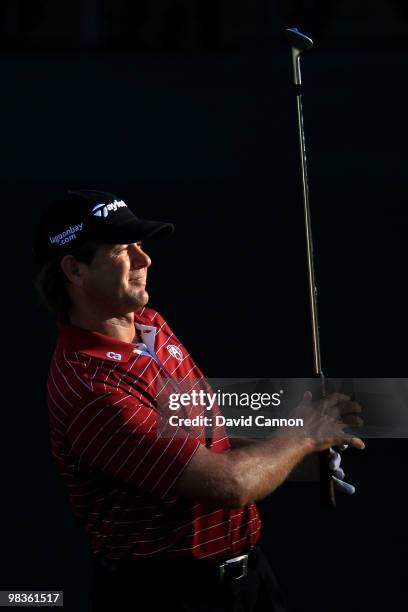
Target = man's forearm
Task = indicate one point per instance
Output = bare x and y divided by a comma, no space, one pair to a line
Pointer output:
259,468
242,442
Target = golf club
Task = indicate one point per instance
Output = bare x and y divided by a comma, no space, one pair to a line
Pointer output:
299,43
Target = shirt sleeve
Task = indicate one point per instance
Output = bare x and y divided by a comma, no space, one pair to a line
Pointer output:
130,441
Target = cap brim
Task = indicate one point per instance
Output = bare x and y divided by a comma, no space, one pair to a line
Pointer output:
134,230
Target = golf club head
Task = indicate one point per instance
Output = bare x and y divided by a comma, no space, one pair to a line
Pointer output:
299,41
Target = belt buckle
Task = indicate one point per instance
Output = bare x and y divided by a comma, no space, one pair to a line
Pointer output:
236,562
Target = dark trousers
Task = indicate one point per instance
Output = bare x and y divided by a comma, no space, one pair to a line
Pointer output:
185,587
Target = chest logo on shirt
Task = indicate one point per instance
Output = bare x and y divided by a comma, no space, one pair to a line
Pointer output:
175,352
116,356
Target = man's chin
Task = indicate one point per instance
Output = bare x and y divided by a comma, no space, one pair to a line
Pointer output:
140,298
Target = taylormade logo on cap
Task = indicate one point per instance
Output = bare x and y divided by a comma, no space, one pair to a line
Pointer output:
103,210
67,235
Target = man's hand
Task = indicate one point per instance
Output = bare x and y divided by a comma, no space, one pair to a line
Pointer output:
338,474
325,420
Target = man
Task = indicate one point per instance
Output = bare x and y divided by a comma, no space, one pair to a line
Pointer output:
170,511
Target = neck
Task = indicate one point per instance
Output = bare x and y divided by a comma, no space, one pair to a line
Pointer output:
119,327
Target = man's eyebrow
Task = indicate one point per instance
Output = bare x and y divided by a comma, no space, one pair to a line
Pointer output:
115,248
118,247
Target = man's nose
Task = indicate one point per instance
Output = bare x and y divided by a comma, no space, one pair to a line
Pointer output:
139,257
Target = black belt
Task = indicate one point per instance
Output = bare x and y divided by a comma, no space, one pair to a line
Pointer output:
234,568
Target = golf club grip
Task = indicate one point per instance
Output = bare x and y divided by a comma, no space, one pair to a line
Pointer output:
327,495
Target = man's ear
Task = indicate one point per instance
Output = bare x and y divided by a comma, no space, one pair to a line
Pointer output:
73,269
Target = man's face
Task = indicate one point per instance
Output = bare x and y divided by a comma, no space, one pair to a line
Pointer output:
116,277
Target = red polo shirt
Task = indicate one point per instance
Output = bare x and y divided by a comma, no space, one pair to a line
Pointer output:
105,411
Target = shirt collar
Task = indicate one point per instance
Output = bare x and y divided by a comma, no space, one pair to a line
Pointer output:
95,344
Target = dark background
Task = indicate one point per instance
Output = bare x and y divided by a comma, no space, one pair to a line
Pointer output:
185,109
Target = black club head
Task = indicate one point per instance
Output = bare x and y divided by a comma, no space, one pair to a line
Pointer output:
299,41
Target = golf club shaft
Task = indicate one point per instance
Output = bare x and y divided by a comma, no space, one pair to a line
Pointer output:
317,364
326,483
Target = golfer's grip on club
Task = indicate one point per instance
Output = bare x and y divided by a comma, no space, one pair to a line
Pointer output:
327,493
325,421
